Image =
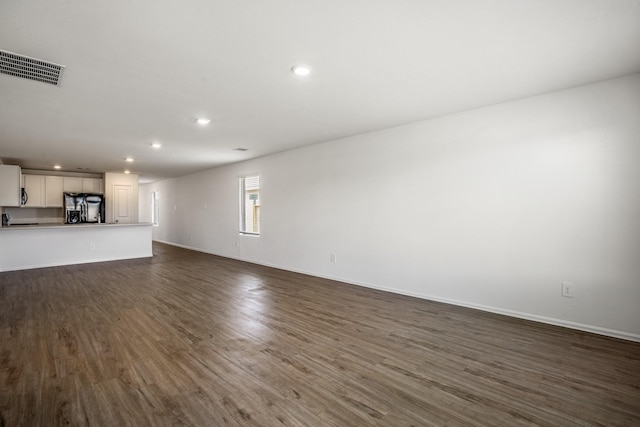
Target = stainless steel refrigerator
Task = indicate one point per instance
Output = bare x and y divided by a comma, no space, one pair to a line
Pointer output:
83,208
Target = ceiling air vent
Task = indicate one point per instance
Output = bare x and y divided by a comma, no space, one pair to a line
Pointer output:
17,65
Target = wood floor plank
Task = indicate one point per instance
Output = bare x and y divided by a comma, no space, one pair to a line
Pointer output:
186,338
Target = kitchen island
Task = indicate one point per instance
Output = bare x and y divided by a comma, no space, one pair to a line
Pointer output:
35,246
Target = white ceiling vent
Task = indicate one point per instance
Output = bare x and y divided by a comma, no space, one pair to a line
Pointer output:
30,68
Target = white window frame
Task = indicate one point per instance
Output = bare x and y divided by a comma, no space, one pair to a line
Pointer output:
155,208
252,229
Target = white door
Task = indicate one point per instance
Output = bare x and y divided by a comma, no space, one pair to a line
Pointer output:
122,203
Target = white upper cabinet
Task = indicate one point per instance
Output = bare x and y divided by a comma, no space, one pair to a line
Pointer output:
82,185
72,185
91,185
42,191
34,186
53,195
9,185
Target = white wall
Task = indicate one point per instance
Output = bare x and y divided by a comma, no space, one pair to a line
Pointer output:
492,208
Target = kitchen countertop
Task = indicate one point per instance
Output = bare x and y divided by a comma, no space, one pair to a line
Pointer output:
70,226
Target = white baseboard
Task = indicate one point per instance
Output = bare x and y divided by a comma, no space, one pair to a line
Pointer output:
65,263
497,310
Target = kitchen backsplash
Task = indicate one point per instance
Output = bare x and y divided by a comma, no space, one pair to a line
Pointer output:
35,215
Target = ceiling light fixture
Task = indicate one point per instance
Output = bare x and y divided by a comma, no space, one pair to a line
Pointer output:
57,167
203,121
127,171
156,145
301,70
128,159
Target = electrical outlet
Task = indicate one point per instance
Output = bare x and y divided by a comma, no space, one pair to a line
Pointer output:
567,289
333,258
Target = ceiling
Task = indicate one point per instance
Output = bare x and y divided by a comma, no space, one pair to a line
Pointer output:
139,72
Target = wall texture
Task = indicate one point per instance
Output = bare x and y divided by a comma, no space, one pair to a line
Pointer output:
491,208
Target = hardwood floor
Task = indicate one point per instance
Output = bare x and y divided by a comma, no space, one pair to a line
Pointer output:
187,338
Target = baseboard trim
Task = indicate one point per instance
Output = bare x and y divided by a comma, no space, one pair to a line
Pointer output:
497,310
63,264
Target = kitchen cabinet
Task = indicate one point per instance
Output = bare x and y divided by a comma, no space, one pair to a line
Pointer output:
9,185
82,185
34,185
91,185
34,247
53,191
72,185
44,191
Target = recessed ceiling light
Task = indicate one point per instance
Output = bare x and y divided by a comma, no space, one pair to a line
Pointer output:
156,145
127,171
57,167
301,70
129,159
203,121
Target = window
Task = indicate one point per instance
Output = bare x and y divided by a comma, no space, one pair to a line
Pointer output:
155,208
250,205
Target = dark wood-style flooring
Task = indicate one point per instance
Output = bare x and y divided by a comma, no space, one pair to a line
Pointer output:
186,338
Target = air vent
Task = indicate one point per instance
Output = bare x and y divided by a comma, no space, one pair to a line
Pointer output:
17,65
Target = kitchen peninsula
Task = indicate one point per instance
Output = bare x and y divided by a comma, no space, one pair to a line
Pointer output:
39,231
24,247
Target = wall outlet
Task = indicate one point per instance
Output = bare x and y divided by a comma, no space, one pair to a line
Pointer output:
333,258
567,289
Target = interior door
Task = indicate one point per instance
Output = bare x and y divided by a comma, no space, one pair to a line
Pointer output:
122,203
